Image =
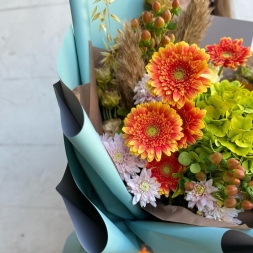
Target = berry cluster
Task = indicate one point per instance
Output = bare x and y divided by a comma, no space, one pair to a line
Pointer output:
156,26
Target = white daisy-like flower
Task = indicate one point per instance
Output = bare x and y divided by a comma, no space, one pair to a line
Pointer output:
142,92
105,137
222,213
201,195
144,187
213,76
126,163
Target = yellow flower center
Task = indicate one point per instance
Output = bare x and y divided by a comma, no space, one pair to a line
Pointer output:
166,170
200,189
118,157
226,54
178,74
144,186
152,131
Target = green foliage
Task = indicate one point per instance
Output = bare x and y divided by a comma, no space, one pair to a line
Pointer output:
229,114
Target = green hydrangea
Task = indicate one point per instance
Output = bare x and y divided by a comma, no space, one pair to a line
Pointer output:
229,114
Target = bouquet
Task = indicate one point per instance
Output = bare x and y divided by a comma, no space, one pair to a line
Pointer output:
159,142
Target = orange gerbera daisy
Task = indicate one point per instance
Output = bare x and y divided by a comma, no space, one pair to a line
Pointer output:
163,171
228,53
175,72
152,129
192,124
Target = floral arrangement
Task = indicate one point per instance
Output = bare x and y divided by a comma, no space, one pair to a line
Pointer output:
176,130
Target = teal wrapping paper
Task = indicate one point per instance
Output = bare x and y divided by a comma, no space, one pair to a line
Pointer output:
96,198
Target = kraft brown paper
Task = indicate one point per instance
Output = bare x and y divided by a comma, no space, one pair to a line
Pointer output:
87,95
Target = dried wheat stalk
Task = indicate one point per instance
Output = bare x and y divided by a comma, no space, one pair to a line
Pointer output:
129,66
193,23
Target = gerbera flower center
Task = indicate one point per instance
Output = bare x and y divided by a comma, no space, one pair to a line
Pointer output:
178,74
226,54
152,131
166,170
144,186
200,189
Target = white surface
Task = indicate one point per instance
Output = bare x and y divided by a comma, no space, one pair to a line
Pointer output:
33,218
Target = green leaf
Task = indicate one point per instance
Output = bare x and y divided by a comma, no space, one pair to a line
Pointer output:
184,158
203,155
195,168
219,195
122,111
211,167
176,193
219,131
171,26
176,11
235,149
240,122
250,191
194,156
219,185
176,175
226,155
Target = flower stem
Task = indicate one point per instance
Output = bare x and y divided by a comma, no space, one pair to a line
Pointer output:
220,71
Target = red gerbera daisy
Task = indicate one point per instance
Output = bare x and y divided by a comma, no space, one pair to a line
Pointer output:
228,53
192,124
175,72
163,171
152,129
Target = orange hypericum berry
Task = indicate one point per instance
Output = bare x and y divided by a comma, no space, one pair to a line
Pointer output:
237,173
147,17
189,186
250,183
145,36
215,158
228,177
172,37
230,190
156,6
232,163
175,4
241,168
236,181
134,23
201,176
230,202
152,45
246,205
165,40
166,15
159,22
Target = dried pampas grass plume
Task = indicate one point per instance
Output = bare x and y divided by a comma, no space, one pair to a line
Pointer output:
129,66
193,23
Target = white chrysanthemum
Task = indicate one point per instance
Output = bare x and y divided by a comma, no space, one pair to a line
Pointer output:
144,187
201,195
126,163
142,92
222,213
213,77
